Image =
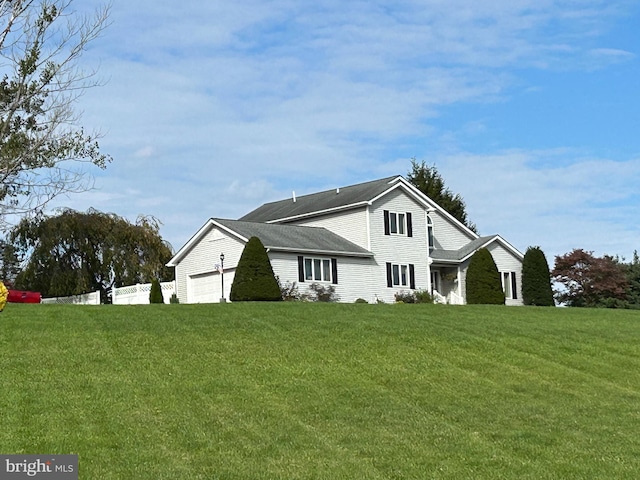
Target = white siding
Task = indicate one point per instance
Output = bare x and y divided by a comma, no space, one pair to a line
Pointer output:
447,236
354,276
200,261
351,225
398,249
508,262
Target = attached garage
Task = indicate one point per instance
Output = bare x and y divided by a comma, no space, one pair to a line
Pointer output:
204,288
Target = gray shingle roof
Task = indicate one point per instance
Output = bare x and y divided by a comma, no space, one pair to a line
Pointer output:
458,255
295,238
321,201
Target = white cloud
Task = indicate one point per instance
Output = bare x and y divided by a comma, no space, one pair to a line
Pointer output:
211,108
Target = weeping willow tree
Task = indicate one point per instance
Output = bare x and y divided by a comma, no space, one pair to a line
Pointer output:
79,252
43,150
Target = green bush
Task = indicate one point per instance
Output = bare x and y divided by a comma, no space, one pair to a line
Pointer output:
405,297
361,300
536,279
174,299
254,280
423,296
417,296
288,291
483,280
321,293
155,295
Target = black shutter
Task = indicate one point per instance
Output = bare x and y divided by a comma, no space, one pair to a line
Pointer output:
334,271
386,223
412,277
514,287
409,225
389,279
301,269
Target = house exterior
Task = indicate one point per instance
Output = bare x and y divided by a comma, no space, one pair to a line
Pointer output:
370,241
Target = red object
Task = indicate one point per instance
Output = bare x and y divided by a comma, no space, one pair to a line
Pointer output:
20,296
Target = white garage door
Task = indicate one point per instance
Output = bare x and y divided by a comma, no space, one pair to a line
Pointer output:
204,288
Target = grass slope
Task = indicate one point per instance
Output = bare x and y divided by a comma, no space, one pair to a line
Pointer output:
269,391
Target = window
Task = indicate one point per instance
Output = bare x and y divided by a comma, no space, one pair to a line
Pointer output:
430,232
397,223
317,269
401,275
509,285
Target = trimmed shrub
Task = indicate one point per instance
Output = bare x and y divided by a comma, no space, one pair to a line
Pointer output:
536,279
254,280
483,280
361,300
155,295
174,299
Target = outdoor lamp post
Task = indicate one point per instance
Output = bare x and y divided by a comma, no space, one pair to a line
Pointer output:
222,299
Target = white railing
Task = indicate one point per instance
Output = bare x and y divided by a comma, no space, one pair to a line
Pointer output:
438,298
92,298
454,299
139,294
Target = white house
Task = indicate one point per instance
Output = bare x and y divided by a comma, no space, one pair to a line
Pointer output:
370,240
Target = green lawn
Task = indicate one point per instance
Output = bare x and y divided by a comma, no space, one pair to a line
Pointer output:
327,391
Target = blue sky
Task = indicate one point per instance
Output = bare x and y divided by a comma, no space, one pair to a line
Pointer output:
528,108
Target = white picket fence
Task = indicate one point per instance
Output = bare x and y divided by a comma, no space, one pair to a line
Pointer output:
139,294
92,298
130,295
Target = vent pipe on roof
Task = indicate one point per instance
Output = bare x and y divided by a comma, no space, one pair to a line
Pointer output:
337,190
294,196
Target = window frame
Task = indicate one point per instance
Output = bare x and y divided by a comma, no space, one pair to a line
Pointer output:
398,224
317,269
401,275
509,284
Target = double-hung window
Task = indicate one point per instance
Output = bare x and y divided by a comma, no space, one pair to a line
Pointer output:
398,223
509,285
399,275
317,269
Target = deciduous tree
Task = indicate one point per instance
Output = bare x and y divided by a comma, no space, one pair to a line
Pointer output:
42,148
74,252
427,179
589,281
9,263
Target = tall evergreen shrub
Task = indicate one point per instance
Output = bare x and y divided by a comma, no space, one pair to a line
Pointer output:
536,279
155,295
254,280
483,280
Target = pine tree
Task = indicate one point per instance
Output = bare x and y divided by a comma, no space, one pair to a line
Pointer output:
536,279
428,180
254,280
155,295
483,280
